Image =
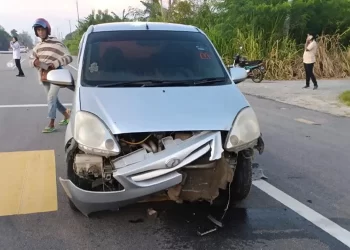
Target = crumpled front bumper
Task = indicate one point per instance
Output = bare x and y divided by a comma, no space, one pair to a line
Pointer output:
142,173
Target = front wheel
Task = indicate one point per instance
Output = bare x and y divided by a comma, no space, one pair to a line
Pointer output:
240,186
257,75
242,180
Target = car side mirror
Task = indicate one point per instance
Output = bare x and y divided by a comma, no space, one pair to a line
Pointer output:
238,74
60,77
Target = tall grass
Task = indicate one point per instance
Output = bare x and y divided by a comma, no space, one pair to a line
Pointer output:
283,58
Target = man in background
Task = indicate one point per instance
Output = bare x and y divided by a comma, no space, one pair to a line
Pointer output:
17,55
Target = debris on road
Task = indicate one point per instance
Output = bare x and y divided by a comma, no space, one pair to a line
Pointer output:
206,232
151,213
136,221
215,221
258,172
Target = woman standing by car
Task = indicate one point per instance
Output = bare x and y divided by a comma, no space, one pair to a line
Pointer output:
17,55
309,59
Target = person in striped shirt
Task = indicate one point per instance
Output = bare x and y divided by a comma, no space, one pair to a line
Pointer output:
50,53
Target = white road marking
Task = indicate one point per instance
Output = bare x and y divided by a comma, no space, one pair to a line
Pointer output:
12,61
29,105
73,67
306,121
314,217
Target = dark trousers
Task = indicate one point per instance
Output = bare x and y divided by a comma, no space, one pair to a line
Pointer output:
19,67
309,70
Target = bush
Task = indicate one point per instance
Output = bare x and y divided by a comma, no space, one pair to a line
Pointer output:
345,97
263,31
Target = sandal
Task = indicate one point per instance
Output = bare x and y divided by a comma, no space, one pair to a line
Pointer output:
49,130
64,122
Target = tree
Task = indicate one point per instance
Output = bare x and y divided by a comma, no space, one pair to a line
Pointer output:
14,33
257,25
153,9
25,39
4,39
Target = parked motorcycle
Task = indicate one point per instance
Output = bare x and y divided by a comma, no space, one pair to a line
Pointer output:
255,69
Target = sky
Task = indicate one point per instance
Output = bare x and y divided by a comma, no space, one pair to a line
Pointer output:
61,14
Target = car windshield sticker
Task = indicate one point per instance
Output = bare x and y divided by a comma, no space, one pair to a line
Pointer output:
93,68
204,55
200,47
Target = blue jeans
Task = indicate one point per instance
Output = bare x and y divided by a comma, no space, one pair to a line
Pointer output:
53,101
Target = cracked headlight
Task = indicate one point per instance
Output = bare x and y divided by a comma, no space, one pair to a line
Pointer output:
93,136
245,131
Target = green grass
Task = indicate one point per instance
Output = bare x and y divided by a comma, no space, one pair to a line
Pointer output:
345,97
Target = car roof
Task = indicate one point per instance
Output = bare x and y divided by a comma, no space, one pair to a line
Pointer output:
118,26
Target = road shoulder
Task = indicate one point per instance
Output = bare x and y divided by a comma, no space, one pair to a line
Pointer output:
324,99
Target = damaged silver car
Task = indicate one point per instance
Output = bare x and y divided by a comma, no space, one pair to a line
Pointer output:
155,114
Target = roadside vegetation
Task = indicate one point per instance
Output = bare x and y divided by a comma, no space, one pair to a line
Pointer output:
345,97
24,38
274,31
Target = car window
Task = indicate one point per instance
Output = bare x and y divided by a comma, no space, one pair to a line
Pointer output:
149,55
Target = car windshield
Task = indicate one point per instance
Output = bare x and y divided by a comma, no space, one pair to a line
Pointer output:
150,57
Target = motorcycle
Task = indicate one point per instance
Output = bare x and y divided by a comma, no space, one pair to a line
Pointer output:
255,69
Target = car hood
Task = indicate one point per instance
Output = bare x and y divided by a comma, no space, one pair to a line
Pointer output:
156,109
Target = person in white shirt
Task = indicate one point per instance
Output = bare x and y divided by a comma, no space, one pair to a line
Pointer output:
309,59
17,55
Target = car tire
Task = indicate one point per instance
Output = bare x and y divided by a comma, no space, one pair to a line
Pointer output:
70,172
242,180
241,184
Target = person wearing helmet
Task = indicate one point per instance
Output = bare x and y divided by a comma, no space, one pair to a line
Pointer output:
49,54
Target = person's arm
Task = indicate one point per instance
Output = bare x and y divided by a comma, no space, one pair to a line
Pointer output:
33,59
310,46
14,45
65,59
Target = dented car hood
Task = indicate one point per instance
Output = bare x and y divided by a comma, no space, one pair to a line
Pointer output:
152,109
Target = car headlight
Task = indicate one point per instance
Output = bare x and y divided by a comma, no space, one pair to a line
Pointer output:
93,136
244,131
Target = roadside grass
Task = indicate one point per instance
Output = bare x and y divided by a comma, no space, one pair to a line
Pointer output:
345,97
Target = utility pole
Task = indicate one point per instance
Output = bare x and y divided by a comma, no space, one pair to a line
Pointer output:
287,21
77,10
70,27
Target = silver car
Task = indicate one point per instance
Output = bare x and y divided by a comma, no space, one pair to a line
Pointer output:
155,113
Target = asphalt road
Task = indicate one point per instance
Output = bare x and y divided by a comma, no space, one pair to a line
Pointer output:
306,157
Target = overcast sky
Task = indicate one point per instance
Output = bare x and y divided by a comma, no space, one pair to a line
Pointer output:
20,14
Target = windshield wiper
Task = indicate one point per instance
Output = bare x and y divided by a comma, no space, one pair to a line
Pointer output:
145,83
161,83
209,80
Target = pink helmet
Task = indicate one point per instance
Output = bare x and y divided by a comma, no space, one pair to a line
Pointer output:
41,22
